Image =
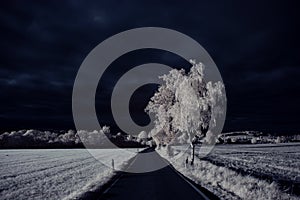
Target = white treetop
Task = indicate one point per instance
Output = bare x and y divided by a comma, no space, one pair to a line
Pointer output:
183,105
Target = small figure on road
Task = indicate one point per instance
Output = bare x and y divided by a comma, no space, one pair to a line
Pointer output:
113,164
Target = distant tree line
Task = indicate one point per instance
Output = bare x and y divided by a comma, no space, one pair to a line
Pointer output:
255,137
60,139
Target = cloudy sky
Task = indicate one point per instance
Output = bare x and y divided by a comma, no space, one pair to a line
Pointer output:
255,45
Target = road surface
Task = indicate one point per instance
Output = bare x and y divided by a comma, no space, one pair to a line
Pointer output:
164,184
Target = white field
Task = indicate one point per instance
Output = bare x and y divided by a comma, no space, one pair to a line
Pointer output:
278,160
56,173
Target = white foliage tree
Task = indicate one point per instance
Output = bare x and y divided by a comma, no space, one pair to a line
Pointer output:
183,106
95,139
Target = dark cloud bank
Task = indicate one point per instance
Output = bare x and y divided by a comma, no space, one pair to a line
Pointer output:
255,44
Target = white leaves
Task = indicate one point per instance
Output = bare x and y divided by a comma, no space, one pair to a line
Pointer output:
185,104
94,139
143,135
29,138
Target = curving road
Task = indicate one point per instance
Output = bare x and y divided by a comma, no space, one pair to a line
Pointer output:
164,184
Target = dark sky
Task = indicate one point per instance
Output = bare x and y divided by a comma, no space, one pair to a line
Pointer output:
255,45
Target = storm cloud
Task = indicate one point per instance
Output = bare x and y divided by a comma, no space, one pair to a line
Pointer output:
255,45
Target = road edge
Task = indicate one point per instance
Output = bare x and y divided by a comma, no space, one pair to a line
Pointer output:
102,189
205,193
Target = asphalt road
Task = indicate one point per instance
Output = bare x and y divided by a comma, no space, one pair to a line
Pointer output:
164,183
